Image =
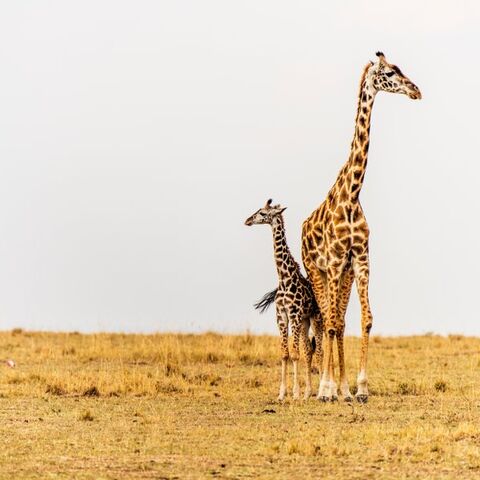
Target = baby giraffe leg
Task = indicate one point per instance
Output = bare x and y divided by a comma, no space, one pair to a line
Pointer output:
283,327
296,331
308,351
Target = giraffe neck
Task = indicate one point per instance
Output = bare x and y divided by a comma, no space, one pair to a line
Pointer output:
352,174
283,258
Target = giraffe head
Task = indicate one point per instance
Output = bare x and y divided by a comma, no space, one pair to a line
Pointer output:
266,214
387,77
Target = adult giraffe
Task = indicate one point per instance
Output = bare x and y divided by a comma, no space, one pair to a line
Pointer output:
335,236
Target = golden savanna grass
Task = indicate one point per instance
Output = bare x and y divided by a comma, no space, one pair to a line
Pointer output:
203,406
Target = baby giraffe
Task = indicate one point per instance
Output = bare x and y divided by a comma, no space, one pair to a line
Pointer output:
294,300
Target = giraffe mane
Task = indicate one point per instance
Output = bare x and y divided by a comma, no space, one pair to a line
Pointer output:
364,74
362,81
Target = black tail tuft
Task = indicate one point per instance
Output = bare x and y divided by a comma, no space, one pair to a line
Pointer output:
315,307
266,301
314,345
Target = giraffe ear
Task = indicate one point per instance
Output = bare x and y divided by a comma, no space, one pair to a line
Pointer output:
282,210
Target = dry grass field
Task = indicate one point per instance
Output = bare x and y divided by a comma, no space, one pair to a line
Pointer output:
203,406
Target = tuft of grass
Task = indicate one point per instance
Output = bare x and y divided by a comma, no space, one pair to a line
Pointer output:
456,338
247,359
17,379
211,358
86,416
206,379
168,388
253,382
170,370
35,377
55,389
91,392
293,448
440,386
407,388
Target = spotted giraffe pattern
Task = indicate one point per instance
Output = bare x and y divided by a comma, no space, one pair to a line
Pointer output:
294,301
335,235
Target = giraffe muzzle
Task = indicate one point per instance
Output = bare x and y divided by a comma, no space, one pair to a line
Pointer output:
414,92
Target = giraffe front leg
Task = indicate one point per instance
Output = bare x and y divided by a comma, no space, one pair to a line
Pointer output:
333,383
324,389
296,384
361,279
283,327
327,390
344,388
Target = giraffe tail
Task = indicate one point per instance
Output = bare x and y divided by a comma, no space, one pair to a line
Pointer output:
314,344
266,301
314,305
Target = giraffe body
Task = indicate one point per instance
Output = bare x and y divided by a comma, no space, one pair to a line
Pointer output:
294,301
335,236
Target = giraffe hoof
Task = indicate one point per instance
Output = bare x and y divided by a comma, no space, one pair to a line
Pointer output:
348,399
324,399
334,399
362,398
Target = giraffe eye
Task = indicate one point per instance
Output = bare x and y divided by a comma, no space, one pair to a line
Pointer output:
389,74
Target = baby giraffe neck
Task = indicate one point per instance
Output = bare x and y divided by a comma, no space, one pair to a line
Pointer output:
283,258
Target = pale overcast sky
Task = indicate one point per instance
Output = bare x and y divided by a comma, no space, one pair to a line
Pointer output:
137,136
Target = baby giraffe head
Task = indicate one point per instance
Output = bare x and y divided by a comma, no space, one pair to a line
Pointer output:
387,77
266,214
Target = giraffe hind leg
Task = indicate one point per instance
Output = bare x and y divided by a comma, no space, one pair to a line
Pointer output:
327,390
318,281
344,296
